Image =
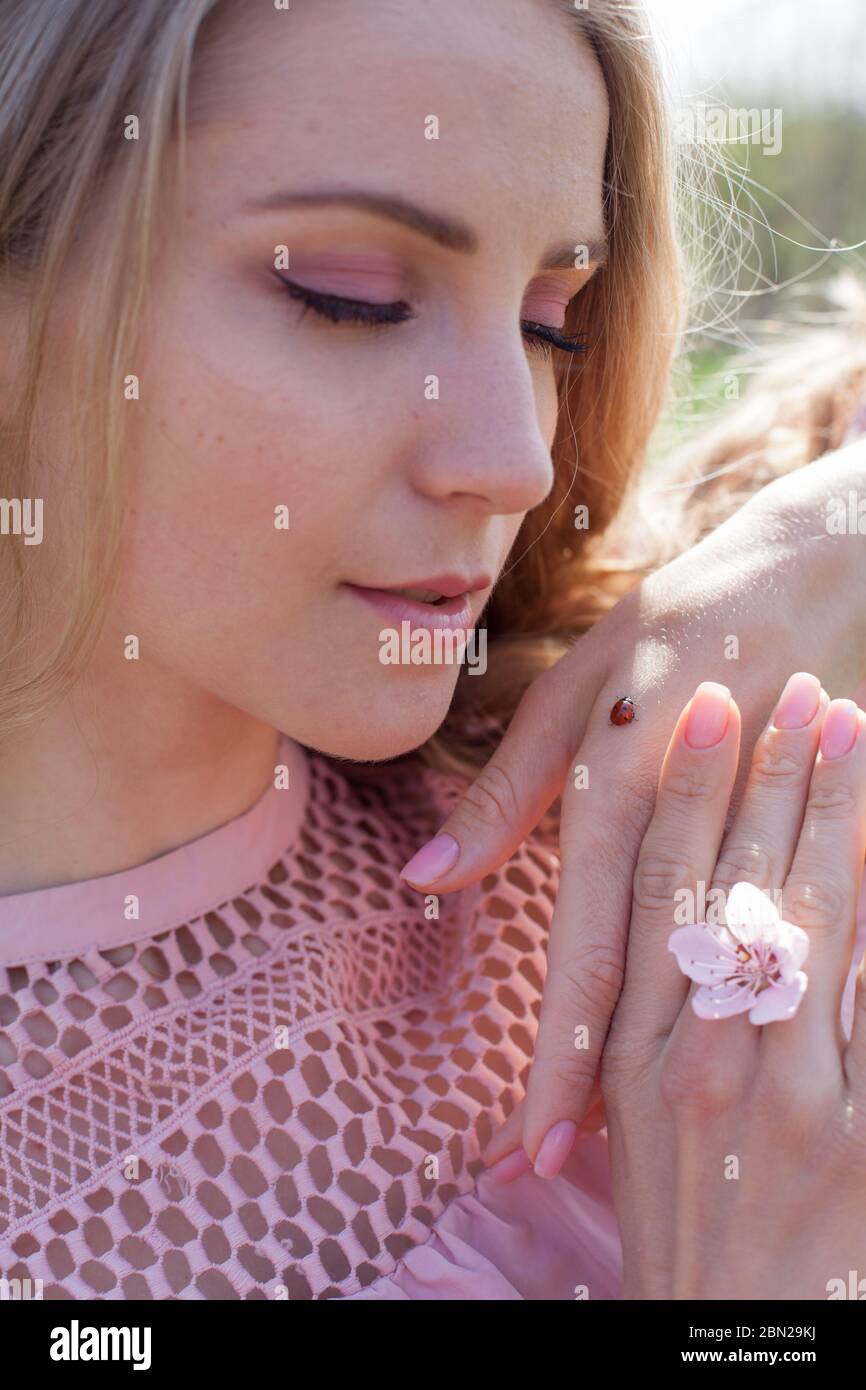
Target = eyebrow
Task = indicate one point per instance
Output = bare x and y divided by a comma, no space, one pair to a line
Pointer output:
447,232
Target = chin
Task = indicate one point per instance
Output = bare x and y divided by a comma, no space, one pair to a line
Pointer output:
380,725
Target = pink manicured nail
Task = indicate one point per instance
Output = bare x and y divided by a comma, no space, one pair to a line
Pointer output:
799,702
555,1148
510,1167
708,716
432,860
840,729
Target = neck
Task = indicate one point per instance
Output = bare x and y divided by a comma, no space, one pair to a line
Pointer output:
111,778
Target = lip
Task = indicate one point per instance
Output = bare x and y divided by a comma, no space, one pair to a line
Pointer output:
452,585
454,612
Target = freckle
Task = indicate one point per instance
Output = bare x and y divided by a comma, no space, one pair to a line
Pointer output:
200,434
162,424
258,448
219,439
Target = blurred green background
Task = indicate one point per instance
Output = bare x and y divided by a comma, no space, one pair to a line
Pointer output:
797,217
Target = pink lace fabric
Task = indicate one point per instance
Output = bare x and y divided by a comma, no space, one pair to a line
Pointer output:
277,1079
261,1067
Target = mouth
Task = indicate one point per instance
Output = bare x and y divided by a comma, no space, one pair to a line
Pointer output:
429,596
440,601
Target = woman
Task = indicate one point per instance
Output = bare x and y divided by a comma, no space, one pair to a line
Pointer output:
278,399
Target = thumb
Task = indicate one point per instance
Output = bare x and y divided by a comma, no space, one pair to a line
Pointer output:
509,795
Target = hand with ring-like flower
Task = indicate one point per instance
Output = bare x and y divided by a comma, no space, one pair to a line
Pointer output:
736,1104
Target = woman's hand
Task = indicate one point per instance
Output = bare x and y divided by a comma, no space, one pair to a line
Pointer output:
769,591
738,1152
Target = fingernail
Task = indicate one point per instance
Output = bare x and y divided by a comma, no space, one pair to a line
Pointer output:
840,729
708,715
798,702
432,860
555,1148
510,1167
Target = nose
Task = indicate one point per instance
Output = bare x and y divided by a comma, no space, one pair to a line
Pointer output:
487,432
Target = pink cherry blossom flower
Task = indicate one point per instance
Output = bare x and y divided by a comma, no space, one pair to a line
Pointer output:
753,963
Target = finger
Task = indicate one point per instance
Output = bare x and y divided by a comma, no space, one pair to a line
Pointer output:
512,792
604,819
510,1135
600,844
759,846
855,1051
506,1139
505,1157
584,975
677,859
821,890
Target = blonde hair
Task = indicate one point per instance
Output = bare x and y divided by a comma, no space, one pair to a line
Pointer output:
69,77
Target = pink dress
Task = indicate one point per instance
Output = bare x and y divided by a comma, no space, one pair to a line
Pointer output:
260,1066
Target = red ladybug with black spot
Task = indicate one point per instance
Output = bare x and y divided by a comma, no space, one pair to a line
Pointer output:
624,711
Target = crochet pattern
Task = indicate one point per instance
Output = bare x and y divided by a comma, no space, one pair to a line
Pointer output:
280,1097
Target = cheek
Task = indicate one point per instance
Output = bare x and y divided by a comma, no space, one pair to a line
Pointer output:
212,578
257,420
213,482
239,439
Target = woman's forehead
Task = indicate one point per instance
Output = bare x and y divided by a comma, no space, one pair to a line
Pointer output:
438,101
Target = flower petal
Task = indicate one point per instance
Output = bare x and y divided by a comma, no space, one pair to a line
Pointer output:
701,954
748,912
722,1001
779,1002
792,949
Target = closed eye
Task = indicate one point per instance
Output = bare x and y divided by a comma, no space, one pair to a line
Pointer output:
539,337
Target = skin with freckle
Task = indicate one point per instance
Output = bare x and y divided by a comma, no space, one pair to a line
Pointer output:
249,402
261,405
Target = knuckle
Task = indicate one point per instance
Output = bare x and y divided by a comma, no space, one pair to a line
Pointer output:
636,802
814,903
831,801
740,862
791,1103
594,978
626,1061
568,1070
692,1082
687,786
776,764
491,800
659,874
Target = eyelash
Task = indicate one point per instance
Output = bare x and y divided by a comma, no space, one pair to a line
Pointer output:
539,337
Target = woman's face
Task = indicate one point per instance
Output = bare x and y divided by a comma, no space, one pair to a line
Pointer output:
252,402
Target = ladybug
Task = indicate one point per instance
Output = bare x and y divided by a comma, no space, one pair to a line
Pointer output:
623,711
